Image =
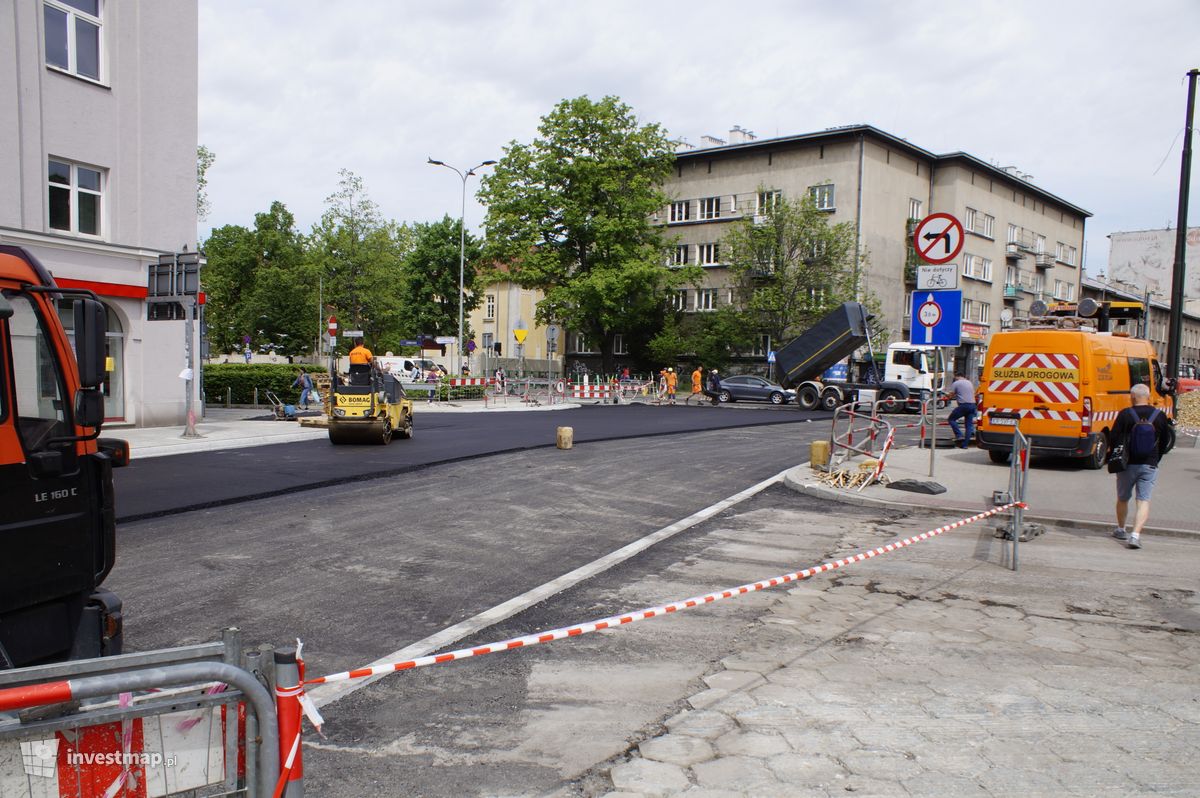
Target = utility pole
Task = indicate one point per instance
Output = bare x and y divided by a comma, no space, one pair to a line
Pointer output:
1177,278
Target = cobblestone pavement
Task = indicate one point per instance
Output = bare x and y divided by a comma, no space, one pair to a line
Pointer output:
938,672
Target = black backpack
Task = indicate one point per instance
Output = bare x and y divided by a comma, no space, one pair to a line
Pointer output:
1143,438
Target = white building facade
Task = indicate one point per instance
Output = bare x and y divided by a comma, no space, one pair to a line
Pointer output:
98,160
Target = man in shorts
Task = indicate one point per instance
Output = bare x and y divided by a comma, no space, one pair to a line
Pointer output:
1139,476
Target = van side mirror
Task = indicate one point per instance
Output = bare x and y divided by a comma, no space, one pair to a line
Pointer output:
90,326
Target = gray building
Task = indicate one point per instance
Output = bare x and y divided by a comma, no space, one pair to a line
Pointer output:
1021,243
98,160
1156,325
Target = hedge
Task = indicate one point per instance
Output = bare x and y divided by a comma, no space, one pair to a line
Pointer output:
242,378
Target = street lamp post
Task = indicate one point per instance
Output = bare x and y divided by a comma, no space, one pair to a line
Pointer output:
462,246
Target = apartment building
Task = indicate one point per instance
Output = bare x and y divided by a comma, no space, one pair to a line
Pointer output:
98,161
1022,242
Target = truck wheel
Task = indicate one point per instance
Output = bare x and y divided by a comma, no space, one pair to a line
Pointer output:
808,398
724,397
776,398
998,457
1095,461
891,401
831,399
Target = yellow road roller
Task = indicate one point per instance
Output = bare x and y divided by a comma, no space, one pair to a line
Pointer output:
371,407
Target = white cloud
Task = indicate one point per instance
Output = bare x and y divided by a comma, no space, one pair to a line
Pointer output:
1086,96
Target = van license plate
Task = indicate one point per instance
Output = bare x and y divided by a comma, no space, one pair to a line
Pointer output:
1003,422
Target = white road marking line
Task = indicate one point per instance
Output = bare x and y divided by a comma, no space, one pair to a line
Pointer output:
326,694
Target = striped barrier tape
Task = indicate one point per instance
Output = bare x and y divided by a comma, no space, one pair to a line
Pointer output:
653,612
461,382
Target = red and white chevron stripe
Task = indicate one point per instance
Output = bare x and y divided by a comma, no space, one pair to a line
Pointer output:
1057,391
460,382
1057,415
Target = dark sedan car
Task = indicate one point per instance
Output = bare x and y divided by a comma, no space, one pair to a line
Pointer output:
744,387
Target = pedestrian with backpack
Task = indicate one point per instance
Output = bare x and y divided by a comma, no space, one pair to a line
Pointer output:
1145,434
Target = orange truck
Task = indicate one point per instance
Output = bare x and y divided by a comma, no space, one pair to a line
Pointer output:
1063,380
57,529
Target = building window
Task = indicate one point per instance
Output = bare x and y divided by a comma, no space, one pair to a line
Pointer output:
619,345
489,306
1014,234
710,254
706,299
914,209
769,200
489,342
680,300
75,198
969,219
966,310
582,344
72,39
762,345
1064,290
985,313
710,207
680,257
989,226
1071,252
1039,283
1040,245
908,300
977,268
681,211
1059,251
823,197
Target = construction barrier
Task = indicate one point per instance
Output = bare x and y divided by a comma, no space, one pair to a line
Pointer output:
652,612
137,741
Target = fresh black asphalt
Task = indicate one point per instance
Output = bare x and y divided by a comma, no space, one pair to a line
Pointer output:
181,483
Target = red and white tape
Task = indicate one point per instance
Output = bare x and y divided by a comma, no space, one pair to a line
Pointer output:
653,612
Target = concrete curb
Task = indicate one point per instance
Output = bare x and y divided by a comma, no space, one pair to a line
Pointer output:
800,479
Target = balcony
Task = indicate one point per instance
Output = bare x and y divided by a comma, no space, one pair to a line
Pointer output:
1012,251
1012,291
1043,260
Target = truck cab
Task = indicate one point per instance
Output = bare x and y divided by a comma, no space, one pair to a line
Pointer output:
58,530
919,367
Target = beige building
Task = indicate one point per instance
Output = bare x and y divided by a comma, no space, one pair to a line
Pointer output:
98,164
1021,241
504,308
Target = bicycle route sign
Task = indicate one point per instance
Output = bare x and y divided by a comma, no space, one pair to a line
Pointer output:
937,277
938,238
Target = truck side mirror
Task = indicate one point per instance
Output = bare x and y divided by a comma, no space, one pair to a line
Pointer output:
89,407
90,326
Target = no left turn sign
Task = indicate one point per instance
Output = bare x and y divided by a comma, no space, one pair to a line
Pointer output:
938,238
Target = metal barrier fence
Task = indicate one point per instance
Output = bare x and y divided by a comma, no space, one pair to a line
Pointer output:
195,720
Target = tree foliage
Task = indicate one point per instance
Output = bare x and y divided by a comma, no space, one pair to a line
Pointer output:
204,159
428,287
258,283
570,213
790,266
360,258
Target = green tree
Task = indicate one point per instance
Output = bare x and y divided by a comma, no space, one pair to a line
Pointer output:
790,267
204,159
258,283
429,282
570,213
710,339
359,255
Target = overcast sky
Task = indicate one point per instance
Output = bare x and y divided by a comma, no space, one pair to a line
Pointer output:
1088,97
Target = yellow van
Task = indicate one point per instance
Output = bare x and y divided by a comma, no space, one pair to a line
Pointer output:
1062,382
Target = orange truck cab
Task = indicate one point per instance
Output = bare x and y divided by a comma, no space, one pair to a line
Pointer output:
57,529
1063,380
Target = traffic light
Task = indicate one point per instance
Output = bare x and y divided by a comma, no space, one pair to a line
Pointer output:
496,346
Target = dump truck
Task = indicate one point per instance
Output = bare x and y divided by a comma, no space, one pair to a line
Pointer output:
58,527
800,364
